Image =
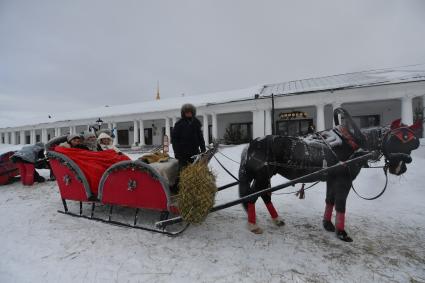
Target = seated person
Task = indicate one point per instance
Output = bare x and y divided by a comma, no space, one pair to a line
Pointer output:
74,141
105,142
90,141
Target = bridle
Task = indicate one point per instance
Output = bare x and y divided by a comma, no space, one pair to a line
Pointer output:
403,137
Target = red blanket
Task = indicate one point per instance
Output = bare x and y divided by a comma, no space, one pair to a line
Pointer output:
93,164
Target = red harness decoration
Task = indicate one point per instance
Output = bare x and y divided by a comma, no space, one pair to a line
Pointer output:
346,135
404,135
92,163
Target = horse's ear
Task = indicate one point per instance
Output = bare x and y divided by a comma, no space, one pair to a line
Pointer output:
416,126
395,124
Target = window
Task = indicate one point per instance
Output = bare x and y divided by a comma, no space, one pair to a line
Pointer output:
237,133
367,121
293,127
245,130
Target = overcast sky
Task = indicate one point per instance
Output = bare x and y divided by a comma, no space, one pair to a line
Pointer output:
61,55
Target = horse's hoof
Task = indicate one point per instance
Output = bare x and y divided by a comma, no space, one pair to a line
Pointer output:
328,225
342,235
254,228
278,221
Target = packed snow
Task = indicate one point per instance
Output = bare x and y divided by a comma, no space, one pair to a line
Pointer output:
40,245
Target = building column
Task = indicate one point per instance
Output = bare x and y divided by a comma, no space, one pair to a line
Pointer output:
135,133
167,128
22,137
174,121
258,124
13,137
142,133
32,136
205,128
6,138
268,122
407,110
423,116
214,126
320,117
44,135
115,131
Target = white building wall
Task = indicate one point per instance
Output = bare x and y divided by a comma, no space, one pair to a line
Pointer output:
384,100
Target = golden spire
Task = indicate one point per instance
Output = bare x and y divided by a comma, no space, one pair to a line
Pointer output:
157,91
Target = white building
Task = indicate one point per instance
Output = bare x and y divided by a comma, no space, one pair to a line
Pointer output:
372,97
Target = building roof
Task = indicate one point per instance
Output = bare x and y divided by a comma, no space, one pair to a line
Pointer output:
166,104
349,80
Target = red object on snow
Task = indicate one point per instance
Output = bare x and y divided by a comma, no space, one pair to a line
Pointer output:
26,170
8,169
92,164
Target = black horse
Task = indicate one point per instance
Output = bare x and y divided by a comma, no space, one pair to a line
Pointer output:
293,157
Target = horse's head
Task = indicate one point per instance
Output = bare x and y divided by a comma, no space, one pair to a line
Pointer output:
397,145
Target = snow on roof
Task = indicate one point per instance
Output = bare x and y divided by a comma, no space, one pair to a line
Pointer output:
349,80
167,104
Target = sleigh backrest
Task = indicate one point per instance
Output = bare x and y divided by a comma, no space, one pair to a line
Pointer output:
8,169
71,180
134,184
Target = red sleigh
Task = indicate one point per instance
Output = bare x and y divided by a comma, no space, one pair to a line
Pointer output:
125,185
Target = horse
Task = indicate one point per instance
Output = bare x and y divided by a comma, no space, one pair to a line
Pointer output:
294,157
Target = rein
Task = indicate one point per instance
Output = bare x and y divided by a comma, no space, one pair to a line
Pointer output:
383,190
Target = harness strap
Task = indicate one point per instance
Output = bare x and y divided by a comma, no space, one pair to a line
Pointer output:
225,169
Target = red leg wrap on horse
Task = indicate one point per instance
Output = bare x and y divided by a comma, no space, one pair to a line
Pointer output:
271,210
328,212
251,213
340,221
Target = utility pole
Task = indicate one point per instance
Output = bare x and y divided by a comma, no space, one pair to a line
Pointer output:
273,125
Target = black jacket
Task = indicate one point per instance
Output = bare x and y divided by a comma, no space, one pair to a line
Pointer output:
187,138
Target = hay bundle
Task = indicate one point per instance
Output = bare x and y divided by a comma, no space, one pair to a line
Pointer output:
154,157
197,191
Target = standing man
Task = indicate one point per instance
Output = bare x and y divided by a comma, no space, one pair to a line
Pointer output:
187,137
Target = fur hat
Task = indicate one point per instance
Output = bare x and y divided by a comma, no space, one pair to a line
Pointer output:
188,108
70,137
104,136
106,131
89,135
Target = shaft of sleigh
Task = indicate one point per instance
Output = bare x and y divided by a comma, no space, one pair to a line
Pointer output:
370,155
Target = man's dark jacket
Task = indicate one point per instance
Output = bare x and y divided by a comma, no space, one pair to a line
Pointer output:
187,138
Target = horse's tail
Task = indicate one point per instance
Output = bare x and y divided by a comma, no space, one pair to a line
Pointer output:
244,177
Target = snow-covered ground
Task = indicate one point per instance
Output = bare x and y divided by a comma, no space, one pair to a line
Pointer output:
37,244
